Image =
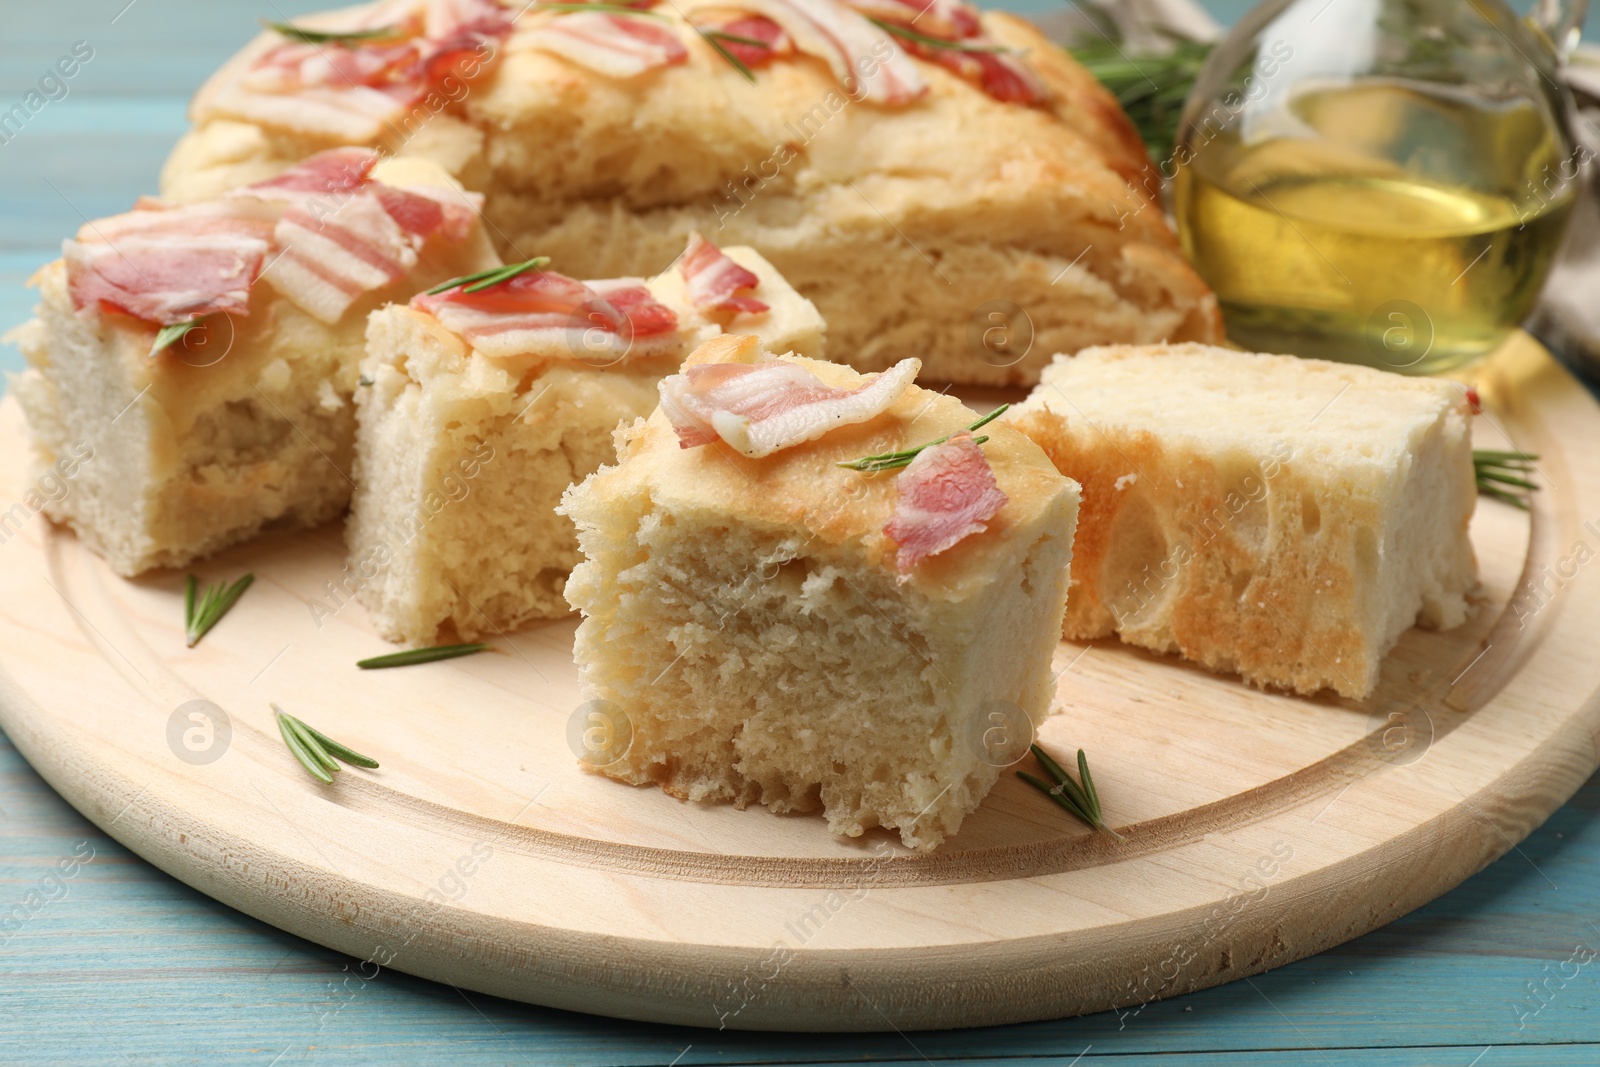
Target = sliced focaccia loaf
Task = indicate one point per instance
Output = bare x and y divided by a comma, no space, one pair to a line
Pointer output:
480,408
978,202
1281,518
764,625
207,354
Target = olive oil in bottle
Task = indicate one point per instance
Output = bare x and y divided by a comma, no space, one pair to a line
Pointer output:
1383,222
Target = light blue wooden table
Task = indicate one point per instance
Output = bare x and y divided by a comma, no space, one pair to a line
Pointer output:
116,963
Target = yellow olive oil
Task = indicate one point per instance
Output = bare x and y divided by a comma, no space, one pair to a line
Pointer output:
1382,222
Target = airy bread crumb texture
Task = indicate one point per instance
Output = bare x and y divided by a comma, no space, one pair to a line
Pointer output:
462,458
461,464
1280,518
189,458
782,662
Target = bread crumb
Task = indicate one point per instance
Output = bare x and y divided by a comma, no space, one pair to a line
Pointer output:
1127,480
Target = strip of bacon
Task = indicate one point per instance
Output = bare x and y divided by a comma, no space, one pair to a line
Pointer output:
1003,75
168,265
618,46
950,19
764,408
755,28
352,90
551,316
342,234
867,62
946,494
715,280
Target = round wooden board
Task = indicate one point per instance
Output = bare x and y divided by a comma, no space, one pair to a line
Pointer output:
1258,828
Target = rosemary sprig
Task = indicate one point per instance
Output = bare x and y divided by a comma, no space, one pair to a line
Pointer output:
935,42
714,38
344,37
1151,88
483,279
315,750
1496,469
1082,801
608,9
168,336
419,655
201,613
724,35
884,461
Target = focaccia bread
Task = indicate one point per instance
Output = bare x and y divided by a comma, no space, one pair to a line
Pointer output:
978,210
1282,518
246,420
469,435
766,626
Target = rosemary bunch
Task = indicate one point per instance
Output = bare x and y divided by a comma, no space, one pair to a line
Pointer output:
1500,474
203,609
1151,88
317,752
1082,800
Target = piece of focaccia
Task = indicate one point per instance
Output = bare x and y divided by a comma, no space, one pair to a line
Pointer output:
764,625
978,206
1286,519
206,354
482,408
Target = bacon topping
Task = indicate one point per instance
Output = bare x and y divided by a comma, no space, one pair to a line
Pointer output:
977,58
342,234
764,408
168,265
352,88
549,315
755,28
715,280
337,234
946,494
618,46
867,62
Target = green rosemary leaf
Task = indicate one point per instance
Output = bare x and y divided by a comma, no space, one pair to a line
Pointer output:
316,750
723,35
312,765
1056,796
215,601
170,335
344,37
1152,88
344,752
712,39
1064,783
608,9
1088,786
419,655
1083,802
507,273
483,279
313,746
1496,468
884,461
935,42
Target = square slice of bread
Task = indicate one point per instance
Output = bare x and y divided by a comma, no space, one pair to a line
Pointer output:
746,621
246,424
462,459
1285,519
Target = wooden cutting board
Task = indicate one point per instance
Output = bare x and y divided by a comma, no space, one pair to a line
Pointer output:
1257,828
